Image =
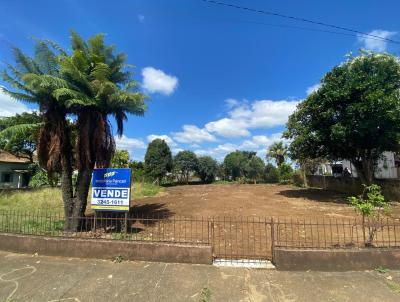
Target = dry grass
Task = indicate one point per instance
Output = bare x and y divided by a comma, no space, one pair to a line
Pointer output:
50,198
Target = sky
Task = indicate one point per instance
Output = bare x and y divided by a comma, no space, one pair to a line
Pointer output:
218,78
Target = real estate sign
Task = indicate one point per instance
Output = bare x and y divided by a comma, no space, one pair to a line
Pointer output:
111,189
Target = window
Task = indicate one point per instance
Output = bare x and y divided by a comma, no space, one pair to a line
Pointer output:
7,177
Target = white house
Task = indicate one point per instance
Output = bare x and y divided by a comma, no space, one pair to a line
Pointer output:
13,171
388,166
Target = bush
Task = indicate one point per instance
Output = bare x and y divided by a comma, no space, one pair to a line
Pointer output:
271,174
297,178
285,173
39,179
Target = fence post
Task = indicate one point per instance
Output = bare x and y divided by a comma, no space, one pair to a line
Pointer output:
273,239
211,224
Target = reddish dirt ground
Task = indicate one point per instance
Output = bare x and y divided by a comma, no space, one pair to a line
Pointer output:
263,200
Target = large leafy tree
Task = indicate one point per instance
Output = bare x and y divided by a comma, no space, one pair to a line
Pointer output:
354,115
207,169
254,168
185,162
157,160
18,134
278,151
235,163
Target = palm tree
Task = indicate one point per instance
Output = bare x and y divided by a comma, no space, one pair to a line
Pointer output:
100,86
91,83
278,151
34,80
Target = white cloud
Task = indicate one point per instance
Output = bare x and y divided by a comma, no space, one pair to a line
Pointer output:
9,106
193,134
313,88
376,44
265,141
164,137
141,18
228,127
268,114
157,81
129,144
230,103
259,114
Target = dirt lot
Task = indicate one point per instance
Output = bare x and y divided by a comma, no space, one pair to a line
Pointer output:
262,200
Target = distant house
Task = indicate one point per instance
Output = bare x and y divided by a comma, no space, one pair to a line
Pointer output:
388,167
13,171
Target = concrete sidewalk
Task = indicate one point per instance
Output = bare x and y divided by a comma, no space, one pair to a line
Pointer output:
37,278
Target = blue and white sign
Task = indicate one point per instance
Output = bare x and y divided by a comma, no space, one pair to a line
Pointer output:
111,189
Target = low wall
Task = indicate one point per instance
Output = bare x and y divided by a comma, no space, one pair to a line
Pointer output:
336,260
352,185
106,249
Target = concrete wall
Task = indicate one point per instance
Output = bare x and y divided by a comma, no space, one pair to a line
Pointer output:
336,260
352,186
106,249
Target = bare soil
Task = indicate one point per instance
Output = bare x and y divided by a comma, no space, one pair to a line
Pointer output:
263,200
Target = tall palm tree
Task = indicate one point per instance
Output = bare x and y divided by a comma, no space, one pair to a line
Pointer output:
278,151
34,80
100,86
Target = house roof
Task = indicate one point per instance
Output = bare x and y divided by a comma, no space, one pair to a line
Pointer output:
7,157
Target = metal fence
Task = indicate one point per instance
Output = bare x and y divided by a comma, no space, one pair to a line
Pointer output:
230,237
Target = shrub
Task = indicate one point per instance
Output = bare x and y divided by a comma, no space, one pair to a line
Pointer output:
298,178
370,204
39,179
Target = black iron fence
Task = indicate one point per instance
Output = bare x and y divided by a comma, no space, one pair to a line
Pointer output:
230,237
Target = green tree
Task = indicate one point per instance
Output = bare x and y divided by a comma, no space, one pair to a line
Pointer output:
137,168
354,115
34,80
98,84
207,169
19,134
158,160
271,173
370,204
285,173
185,162
93,83
254,168
278,151
235,163
120,159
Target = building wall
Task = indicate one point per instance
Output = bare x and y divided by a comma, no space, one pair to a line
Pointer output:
8,168
386,167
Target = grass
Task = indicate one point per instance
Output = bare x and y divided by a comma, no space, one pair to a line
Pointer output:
51,199
205,295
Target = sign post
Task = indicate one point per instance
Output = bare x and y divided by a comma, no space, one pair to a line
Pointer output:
111,189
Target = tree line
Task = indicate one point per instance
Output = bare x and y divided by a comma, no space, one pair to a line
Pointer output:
160,166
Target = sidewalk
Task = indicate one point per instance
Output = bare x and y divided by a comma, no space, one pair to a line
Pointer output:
44,279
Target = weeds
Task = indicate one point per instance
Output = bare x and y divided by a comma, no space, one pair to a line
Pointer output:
381,270
205,295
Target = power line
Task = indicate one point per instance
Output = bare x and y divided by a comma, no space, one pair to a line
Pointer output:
299,19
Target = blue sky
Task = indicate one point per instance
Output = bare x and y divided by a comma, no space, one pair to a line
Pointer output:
218,78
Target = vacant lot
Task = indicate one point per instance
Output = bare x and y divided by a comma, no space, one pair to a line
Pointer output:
247,200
